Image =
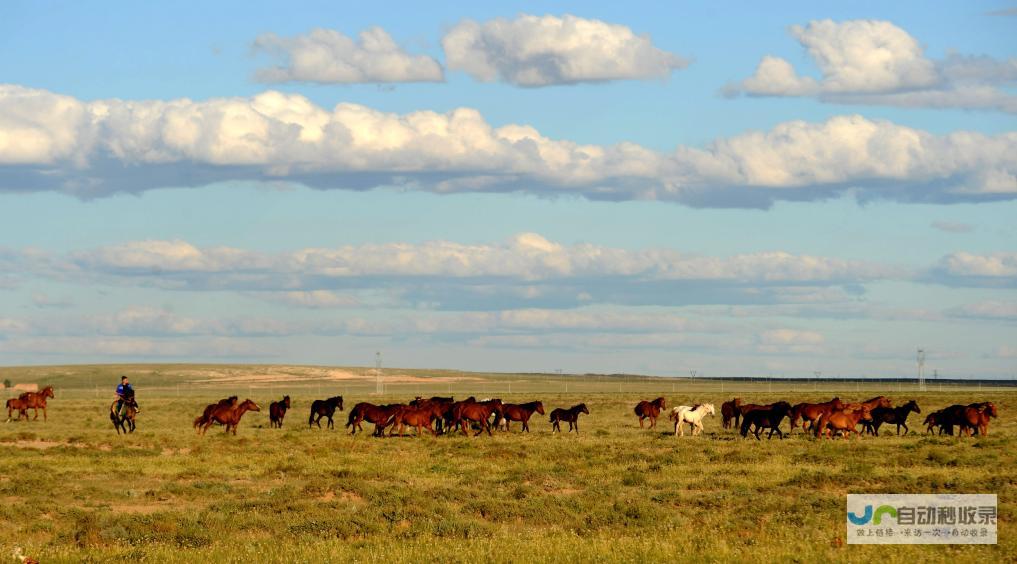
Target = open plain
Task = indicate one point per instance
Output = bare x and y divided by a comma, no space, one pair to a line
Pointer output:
73,490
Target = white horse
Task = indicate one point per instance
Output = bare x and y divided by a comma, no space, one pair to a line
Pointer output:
691,415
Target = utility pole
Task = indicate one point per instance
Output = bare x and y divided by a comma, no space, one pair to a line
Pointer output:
921,369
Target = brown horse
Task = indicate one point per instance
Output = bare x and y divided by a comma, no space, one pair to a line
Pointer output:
124,423
449,415
277,412
571,415
649,410
324,408
476,412
844,420
229,415
521,412
420,416
17,404
207,413
729,411
764,417
36,400
442,405
377,414
810,413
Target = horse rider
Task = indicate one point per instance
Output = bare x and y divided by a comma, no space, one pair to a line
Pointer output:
125,396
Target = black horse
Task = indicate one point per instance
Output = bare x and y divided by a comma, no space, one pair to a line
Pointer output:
324,408
898,415
766,419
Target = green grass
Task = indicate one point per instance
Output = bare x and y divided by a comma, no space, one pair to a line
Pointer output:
72,490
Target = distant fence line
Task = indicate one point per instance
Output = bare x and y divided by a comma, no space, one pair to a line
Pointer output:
548,386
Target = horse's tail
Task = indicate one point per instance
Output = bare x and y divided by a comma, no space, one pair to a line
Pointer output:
199,420
745,426
353,415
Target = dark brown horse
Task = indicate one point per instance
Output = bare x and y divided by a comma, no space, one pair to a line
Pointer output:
449,415
19,405
420,416
765,417
380,415
277,412
896,415
124,423
521,412
228,415
324,408
649,410
810,413
442,405
37,400
729,411
571,415
932,420
478,412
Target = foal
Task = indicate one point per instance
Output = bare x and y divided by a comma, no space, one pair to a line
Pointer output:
571,415
322,408
649,410
277,411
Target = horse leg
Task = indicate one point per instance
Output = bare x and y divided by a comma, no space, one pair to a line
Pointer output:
331,424
640,421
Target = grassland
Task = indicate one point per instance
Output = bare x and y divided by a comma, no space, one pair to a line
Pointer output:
72,490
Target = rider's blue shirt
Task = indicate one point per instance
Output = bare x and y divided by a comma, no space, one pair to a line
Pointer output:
124,390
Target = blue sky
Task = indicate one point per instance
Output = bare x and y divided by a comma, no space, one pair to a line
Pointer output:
733,188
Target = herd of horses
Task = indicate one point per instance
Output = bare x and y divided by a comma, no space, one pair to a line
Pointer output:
444,415
437,415
837,417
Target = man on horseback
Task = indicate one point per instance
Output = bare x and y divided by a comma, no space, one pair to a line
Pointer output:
125,397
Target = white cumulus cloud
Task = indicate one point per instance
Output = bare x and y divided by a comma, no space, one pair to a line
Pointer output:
102,147
535,51
877,62
327,56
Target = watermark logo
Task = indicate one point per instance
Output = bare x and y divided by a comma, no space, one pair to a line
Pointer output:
921,518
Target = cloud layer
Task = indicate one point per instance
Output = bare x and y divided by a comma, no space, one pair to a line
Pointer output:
876,62
326,56
54,142
534,51
525,271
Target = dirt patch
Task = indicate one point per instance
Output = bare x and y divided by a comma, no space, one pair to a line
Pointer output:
40,444
141,508
181,451
348,497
